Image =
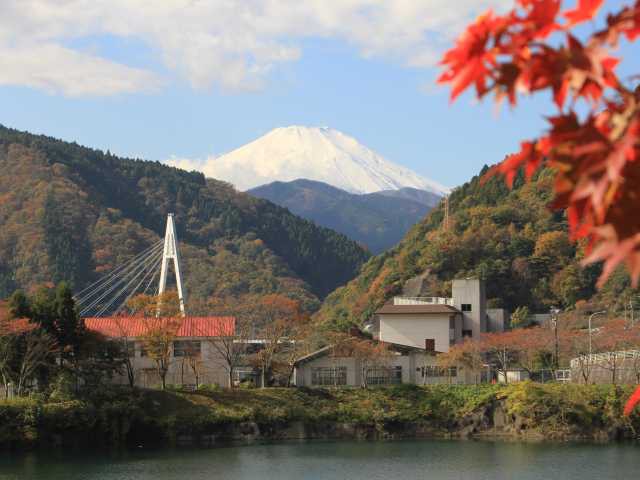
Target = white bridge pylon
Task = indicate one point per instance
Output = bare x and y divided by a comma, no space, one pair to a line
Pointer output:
169,253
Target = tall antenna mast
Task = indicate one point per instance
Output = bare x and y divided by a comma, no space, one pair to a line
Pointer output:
170,252
445,222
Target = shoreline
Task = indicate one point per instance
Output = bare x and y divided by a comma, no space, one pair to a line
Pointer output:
159,448
123,418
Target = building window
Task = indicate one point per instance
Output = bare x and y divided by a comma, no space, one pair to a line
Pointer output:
327,376
143,351
186,348
431,371
466,307
429,344
467,333
384,375
244,375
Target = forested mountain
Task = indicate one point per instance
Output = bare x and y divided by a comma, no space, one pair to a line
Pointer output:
510,238
70,212
378,220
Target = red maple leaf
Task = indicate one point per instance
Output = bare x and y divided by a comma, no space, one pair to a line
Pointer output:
585,10
632,402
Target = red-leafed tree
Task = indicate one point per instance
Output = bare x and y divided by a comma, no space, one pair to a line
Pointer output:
596,153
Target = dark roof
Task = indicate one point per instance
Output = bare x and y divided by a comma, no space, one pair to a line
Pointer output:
390,308
394,347
313,355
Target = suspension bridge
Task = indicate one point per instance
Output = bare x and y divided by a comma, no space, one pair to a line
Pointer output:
145,273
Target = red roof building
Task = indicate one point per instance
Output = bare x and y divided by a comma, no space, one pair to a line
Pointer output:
187,327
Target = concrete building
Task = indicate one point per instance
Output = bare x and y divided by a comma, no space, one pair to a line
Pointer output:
193,346
468,296
421,321
327,367
417,329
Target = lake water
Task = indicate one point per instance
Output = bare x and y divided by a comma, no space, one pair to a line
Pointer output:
433,460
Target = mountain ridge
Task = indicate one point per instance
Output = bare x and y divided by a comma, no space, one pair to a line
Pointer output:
378,220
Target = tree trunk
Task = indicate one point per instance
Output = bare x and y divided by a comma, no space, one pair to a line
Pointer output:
130,373
291,370
230,376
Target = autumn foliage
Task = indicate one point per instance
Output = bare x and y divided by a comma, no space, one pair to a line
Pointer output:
592,143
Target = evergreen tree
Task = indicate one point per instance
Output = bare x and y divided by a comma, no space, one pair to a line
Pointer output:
68,323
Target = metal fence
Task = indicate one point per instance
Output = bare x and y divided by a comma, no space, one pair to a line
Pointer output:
607,367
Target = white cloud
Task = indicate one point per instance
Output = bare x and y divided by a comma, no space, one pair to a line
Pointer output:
228,44
56,69
189,164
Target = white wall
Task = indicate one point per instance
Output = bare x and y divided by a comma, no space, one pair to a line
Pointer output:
413,329
303,372
411,370
212,368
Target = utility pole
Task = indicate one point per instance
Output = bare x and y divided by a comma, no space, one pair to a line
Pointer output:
170,252
590,318
554,323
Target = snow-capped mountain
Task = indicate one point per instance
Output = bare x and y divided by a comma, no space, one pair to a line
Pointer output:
320,154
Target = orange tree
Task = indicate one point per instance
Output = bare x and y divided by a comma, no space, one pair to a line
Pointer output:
593,140
466,355
277,317
157,341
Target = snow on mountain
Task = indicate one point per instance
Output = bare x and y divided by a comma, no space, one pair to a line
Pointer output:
321,154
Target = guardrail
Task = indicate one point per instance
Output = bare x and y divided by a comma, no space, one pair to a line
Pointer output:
422,301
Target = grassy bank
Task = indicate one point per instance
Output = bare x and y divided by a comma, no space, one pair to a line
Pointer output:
122,417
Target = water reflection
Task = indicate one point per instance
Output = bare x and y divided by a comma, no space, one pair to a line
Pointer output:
433,460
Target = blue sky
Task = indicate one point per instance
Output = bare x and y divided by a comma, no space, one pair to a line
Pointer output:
133,94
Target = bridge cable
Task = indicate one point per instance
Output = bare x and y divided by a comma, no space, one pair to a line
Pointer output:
119,280
78,296
140,271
